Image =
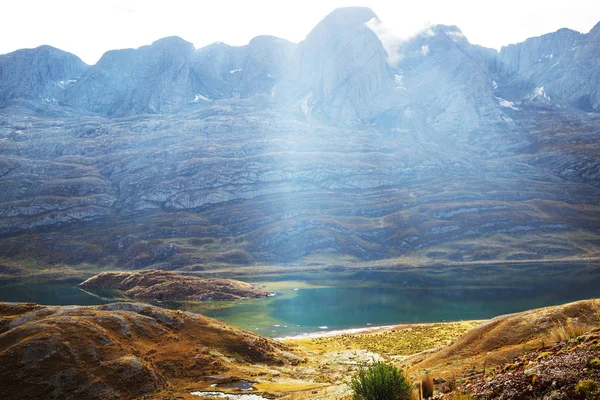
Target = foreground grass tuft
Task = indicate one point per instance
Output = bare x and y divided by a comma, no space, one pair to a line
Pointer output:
587,388
568,330
463,396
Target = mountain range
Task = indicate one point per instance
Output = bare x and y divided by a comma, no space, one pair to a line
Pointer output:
332,150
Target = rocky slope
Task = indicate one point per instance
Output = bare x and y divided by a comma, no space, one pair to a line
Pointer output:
498,340
541,354
41,74
122,351
566,370
275,152
161,285
243,183
564,64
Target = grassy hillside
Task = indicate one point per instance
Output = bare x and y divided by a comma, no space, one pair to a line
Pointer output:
132,350
123,351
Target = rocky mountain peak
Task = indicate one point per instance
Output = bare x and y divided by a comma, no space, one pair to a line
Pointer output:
452,31
339,73
521,57
267,59
595,32
341,68
346,18
154,78
173,42
437,38
39,73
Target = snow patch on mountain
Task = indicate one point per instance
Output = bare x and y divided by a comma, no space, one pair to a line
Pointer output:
199,97
539,93
305,103
64,84
507,104
399,80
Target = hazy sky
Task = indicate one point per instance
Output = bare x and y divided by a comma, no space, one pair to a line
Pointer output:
88,28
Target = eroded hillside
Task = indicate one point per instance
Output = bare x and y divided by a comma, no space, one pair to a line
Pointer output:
123,351
319,152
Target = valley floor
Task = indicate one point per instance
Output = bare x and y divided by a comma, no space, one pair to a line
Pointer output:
516,356
129,350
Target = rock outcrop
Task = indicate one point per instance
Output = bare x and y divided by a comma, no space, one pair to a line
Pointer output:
120,351
162,285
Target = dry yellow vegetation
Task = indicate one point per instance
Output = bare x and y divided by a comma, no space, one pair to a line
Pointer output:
136,350
401,340
501,339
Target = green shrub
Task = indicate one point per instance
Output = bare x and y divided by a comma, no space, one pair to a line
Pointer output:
380,381
586,389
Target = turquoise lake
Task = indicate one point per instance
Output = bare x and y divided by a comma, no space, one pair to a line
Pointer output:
331,301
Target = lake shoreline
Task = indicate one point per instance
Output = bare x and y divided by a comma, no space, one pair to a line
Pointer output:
367,330
337,332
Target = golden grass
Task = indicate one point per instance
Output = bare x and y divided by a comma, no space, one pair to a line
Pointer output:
403,340
287,387
503,338
463,396
175,350
564,331
416,393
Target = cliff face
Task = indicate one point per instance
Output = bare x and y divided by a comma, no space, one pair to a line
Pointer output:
174,157
170,75
156,78
41,74
523,58
564,64
340,72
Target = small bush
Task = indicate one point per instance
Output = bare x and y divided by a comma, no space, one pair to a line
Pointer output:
586,389
545,354
427,386
594,363
380,381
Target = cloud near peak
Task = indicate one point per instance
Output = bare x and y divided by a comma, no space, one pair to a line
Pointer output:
393,38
